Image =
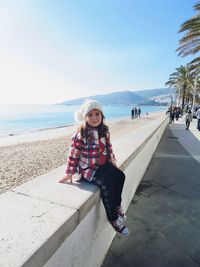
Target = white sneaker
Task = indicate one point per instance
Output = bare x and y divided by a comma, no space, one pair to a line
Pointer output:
119,227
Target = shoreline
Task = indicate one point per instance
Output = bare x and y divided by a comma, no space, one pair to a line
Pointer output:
23,160
46,133
13,132
53,132
33,131
37,135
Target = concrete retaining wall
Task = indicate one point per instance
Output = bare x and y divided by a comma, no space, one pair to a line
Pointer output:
44,223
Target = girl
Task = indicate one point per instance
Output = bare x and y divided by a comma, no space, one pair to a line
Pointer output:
92,157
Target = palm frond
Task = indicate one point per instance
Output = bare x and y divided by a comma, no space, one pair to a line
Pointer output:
197,6
191,24
190,42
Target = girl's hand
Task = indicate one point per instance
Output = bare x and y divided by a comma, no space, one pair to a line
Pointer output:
114,163
66,178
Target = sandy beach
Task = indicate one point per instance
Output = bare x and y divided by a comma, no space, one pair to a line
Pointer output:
24,157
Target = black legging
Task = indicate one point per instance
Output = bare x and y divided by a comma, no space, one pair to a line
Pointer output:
110,180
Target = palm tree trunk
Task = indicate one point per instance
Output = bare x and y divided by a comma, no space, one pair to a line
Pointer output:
194,94
183,97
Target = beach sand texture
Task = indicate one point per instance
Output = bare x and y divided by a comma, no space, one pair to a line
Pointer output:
26,160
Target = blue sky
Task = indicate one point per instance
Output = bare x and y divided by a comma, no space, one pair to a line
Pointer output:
51,51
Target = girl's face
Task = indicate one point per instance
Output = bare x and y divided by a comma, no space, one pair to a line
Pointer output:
94,118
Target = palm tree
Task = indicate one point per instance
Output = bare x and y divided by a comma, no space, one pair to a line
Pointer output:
195,71
190,43
181,79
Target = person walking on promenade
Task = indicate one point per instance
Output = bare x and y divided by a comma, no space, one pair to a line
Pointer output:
91,155
139,112
172,115
136,112
188,119
198,118
177,113
132,113
170,111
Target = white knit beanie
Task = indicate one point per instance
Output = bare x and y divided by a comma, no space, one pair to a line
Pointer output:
87,106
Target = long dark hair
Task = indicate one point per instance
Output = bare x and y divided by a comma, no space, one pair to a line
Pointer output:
102,129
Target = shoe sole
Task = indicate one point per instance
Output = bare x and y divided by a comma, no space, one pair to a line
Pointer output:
118,233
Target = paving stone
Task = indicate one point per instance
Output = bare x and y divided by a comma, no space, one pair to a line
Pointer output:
112,260
185,235
164,254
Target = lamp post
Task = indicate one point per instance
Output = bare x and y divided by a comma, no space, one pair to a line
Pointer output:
194,93
178,98
171,101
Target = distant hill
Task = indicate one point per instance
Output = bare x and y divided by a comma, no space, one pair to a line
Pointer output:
117,98
155,92
144,97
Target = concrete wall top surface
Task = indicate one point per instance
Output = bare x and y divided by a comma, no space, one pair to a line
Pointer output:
34,214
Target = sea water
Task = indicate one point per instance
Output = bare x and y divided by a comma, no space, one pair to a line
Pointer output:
20,119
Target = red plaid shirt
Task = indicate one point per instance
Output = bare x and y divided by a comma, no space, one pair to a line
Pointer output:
84,155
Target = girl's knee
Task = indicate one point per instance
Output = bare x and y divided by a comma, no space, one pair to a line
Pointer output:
121,175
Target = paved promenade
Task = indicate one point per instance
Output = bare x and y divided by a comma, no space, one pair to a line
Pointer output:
164,216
